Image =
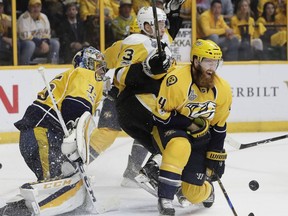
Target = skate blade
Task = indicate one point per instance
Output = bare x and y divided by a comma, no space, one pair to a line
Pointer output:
143,182
128,183
184,203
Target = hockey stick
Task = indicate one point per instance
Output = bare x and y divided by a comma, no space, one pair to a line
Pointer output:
41,70
157,32
238,145
99,209
226,195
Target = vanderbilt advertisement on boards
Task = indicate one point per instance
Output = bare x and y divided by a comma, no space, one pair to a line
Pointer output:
260,92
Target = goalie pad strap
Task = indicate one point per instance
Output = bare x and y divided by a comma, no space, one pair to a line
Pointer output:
218,156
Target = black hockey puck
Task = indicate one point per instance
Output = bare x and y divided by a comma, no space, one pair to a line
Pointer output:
251,214
253,185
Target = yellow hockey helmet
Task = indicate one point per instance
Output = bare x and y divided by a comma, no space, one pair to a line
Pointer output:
205,49
134,28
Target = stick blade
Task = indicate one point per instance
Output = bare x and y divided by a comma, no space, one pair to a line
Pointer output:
233,142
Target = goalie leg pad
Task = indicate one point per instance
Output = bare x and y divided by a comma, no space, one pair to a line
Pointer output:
76,145
68,168
84,130
54,197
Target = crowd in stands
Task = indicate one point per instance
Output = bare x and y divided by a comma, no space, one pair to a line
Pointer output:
52,31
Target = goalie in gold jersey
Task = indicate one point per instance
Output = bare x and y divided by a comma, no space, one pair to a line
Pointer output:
192,107
77,92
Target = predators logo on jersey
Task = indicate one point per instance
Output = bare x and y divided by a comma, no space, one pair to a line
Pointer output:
179,92
204,110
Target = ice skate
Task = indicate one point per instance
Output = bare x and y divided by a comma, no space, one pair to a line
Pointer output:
182,199
148,177
165,206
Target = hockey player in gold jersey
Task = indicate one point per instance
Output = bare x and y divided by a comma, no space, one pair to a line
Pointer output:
192,107
77,92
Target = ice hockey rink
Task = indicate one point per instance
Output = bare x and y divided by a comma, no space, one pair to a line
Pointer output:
266,163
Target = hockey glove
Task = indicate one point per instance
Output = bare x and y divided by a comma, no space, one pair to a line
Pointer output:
215,163
199,131
156,63
173,5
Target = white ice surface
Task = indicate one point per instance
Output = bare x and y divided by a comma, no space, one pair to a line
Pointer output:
267,163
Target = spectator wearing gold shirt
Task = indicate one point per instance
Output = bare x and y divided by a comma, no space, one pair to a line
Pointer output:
211,25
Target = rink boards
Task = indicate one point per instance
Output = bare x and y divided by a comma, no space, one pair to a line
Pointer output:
260,95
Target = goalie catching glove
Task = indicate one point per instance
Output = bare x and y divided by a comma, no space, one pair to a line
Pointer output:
215,163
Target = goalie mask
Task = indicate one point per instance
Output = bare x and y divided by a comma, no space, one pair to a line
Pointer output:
91,59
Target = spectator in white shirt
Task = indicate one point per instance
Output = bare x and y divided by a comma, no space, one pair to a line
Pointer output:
34,33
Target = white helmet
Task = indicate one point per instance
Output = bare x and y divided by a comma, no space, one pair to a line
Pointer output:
145,15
